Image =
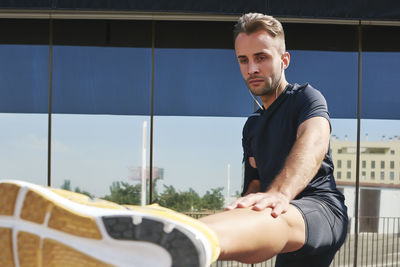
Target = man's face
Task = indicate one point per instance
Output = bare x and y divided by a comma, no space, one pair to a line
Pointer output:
260,61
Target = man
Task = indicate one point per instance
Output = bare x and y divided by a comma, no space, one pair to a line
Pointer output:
290,206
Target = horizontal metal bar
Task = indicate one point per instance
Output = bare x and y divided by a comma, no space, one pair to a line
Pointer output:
135,15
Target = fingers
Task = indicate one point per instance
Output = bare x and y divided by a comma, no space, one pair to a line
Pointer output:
262,201
279,209
245,202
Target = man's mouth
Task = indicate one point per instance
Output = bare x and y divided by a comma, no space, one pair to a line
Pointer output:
255,81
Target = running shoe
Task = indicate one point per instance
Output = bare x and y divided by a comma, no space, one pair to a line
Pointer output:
41,226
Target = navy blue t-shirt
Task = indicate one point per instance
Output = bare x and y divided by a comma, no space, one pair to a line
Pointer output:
269,135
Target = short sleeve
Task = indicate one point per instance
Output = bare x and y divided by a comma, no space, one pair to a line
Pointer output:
249,172
311,103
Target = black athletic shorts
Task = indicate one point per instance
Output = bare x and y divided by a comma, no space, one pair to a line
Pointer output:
325,233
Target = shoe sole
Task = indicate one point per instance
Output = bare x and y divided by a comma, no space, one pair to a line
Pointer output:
40,228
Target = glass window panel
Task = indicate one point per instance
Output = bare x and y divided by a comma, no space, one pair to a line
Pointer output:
101,80
24,87
380,100
24,66
308,66
349,164
343,139
199,153
202,82
93,151
23,142
100,67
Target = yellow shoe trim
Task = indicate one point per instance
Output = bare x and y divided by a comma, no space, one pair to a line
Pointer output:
36,205
8,193
51,253
6,254
57,254
157,210
29,253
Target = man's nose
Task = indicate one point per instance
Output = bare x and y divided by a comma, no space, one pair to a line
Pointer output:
252,68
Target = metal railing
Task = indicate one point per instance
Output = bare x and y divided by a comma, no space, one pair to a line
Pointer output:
378,244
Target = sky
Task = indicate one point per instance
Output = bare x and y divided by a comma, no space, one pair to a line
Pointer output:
94,150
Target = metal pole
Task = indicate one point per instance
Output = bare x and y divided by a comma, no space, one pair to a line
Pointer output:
152,110
144,163
358,144
50,102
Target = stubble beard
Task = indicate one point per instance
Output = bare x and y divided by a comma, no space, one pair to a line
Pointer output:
261,91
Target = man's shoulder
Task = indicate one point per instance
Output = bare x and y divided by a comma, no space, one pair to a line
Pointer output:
305,92
302,89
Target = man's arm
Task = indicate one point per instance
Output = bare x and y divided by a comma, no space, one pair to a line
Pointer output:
301,165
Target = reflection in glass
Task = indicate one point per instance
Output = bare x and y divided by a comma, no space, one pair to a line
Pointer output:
199,153
94,151
23,142
24,86
379,221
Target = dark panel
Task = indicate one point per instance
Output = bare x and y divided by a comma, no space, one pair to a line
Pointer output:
178,34
369,210
192,34
102,33
324,37
208,6
343,9
381,38
26,4
24,31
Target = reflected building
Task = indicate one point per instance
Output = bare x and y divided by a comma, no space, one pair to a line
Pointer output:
379,178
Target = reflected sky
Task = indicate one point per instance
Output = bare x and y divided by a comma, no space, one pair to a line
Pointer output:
94,150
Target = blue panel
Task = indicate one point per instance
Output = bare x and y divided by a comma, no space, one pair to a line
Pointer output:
199,82
24,78
102,80
333,73
380,82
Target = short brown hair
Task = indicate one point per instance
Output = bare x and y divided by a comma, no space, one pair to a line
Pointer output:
253,22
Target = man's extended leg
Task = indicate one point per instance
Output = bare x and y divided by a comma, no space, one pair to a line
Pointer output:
253,236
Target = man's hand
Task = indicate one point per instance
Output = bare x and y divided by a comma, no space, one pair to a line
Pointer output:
278,202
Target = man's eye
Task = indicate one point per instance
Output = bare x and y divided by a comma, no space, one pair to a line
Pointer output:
261,58
242,61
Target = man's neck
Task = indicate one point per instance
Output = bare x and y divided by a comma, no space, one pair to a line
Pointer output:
267,100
